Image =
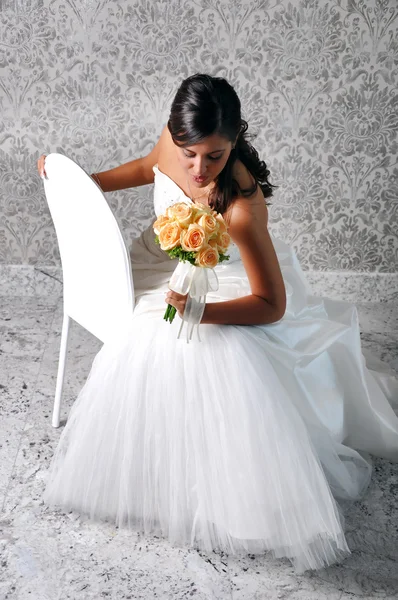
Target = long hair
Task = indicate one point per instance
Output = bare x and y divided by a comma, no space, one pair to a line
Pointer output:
206,105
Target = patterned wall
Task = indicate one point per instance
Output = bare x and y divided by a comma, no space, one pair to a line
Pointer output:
94,79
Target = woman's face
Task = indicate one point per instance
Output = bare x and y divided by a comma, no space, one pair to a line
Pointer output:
204,161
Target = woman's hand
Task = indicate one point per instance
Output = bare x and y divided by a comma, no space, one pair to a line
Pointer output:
40,166
177,300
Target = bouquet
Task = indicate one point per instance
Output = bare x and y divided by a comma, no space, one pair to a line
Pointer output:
195,234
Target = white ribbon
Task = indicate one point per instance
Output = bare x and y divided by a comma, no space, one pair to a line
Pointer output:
196,282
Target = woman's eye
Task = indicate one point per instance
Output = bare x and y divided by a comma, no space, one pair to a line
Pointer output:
210,157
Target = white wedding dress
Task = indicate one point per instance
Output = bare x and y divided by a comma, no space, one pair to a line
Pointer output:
243,441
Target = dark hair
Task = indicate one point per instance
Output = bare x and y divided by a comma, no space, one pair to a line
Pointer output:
206,105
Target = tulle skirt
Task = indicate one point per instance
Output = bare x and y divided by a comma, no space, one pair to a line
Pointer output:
242,442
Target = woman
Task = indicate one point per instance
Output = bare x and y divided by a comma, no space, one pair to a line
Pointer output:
243,441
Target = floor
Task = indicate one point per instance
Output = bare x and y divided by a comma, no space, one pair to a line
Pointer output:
47,555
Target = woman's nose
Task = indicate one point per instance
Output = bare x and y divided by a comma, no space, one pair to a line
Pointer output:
200,167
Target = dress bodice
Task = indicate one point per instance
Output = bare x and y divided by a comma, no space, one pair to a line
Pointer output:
167,192
152,266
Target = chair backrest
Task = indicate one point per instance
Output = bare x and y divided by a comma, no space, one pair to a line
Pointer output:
98,284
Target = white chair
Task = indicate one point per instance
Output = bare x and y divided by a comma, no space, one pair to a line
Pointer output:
98,291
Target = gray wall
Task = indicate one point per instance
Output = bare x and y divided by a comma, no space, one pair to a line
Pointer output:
94,79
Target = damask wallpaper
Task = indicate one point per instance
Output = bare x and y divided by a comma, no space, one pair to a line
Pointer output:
94,79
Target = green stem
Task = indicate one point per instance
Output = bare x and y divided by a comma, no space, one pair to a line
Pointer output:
170,313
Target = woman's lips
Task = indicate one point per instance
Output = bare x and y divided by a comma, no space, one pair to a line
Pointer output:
200,179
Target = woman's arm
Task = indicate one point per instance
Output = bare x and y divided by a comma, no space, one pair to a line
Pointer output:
131,174
248,310
267,302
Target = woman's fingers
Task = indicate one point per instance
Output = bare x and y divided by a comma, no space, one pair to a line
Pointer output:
40,166
177,300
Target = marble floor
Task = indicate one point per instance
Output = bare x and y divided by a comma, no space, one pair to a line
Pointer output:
47,555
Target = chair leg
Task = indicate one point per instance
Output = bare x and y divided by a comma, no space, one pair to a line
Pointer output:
61,371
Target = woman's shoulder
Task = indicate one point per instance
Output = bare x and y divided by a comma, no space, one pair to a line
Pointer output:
155,155
166,145
251,207
242,175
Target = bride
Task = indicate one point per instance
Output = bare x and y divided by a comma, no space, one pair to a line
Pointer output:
246,439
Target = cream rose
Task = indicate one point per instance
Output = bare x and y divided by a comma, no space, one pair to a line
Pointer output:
181,212
159,223
204,208
169,235
213,243
222,224
198,215
207,257
223,240
193,239
209,224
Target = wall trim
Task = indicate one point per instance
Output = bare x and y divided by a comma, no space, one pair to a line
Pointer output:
29,280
